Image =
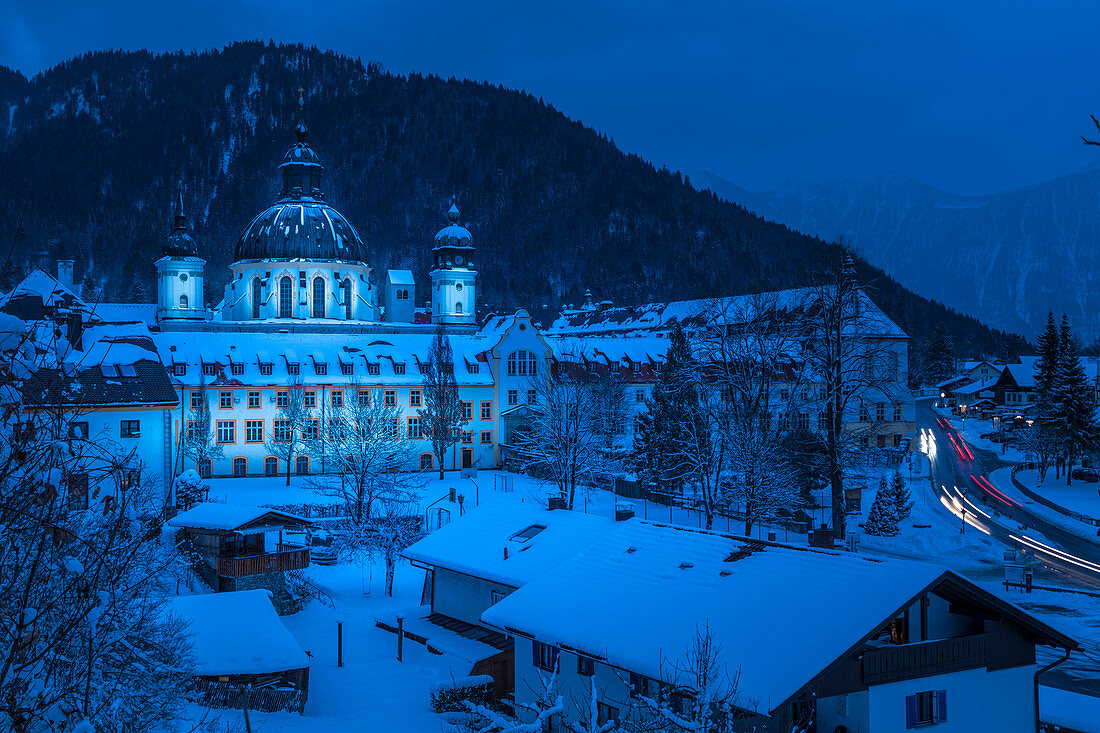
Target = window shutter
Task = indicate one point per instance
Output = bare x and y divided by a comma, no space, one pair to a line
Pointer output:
535,653
941,706
910,711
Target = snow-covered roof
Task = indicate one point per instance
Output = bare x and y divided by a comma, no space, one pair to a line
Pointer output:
484,544
453,231
1022,374
975,387
230,517
636,596
38,294
249,349
238,632
635,349
734,309
125,312
401,277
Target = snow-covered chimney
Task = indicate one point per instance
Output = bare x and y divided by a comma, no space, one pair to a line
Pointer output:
65,273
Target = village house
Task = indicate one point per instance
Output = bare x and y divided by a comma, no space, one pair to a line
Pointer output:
242,548
809,637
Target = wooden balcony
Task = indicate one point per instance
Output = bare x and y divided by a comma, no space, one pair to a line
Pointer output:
906,661
288,558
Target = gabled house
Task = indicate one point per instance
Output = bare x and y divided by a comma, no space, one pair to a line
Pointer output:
238,640
244,547
480,559
817,640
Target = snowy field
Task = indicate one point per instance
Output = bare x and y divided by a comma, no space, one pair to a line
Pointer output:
1079,496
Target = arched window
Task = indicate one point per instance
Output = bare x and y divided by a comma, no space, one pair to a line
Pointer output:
318,297
240,467
458,308
271,466
286,290
346,288
205,467
256,295
301,465
183,302
522,363
425,461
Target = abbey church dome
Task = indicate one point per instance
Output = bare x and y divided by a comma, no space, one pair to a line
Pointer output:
300,225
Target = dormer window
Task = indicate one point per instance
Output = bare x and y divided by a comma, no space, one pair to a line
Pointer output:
236,369
292,368
347,368
209,370
399,368
265,369
373,369
321,369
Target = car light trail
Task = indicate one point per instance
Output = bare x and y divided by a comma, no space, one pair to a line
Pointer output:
1003,499
997,492
1036,544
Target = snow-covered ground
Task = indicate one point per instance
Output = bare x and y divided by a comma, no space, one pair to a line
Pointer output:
973,428
1079,496
1002,479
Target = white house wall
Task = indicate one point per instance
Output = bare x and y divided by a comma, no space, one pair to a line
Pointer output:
462,596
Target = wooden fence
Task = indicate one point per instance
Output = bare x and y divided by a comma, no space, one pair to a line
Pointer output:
216,694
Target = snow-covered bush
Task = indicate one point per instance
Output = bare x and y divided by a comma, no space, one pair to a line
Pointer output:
190,489
453,695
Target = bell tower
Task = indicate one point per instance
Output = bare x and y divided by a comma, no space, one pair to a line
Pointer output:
180,273
453,277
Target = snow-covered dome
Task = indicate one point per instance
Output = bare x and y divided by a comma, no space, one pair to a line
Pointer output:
300,225
454,230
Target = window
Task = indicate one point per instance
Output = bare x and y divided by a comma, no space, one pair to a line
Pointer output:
180,370
240,466
486,410
309,398
639,395
265,369
605,713
311,429
525,534
282,398
364,398
254,431
615,367
374,369
784,393
393,428
522,363
347,368
281,431
292,368
530,396
897,440
467,437
236,369
458,307
256,295
225,399
513,397
802,421
271,466
227,430
897,412
425,461
822,422
389,397
545,656
205,467
496,596
320,369
639,685
635,366
486,437
864,414
472,367
196,399
337,398
880,411
129,480
318,297
586,666
467,410
77,484
414,398
286,289
413,432
346,288
78,430
209,370
301,465
399,368
926,708
130,429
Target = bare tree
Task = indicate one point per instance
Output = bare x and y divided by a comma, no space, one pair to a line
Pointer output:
442,416
288,429
762,479
87,644
396,526
199,444
366,448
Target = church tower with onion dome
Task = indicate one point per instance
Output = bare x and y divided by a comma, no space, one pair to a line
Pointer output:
453,277
300,259
179,273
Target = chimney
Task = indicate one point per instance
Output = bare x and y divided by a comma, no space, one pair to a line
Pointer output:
624,510
555,501
65,273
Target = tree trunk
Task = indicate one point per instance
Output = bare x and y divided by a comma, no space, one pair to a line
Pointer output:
389,576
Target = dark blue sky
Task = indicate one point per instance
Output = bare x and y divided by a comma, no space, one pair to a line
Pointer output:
971,97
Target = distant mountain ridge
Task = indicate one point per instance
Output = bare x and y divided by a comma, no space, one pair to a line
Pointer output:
94,148
1008,257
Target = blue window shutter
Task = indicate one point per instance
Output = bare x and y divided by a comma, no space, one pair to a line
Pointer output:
910,711
941,706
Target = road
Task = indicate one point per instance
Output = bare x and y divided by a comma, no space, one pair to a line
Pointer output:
956,464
